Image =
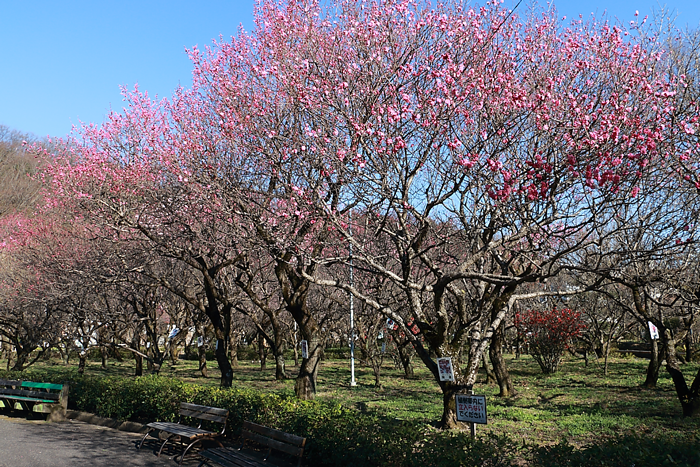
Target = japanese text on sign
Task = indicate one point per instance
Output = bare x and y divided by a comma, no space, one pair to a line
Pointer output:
445,369
471,408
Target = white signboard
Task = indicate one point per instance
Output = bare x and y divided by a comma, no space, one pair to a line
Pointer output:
445,369
471,408
653,331
304,349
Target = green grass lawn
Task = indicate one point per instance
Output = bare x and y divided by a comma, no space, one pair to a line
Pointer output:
578,404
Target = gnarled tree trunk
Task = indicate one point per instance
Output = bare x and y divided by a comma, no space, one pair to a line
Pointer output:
688,397
305,384
406,357
654,365
505,382
490,375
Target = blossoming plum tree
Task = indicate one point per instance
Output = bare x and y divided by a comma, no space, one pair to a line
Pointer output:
455,126
451,126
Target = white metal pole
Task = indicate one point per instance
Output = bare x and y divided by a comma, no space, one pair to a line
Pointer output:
472,427
352,323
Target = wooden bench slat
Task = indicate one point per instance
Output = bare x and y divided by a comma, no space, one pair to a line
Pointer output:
232,457
203,416
274,434
8,382
248,460
274,444
30,384
197,413
31,394
28,399
181,430
220,455
186,431
203,409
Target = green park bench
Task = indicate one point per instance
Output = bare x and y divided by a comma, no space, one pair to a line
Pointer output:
269,438
185,434
48,398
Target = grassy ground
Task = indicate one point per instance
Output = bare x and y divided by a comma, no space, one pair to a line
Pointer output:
578,403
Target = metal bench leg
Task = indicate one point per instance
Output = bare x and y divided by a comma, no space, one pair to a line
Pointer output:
164,443
182,457
144,437
184,453
267,456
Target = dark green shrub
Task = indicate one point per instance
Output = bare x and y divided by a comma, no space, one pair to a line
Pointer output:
248,352
337,353
622,451
455,449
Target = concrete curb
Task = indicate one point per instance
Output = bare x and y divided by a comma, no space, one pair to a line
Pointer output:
92,419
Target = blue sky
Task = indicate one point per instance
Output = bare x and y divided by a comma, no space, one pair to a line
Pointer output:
62,62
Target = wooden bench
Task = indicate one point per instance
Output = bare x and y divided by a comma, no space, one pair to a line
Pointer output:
268,437
48,398
187,434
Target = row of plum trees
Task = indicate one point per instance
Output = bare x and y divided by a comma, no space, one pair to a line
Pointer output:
459,160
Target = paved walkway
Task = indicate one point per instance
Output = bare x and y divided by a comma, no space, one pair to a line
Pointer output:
36,443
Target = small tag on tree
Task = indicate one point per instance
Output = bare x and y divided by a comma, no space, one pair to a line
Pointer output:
445,369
